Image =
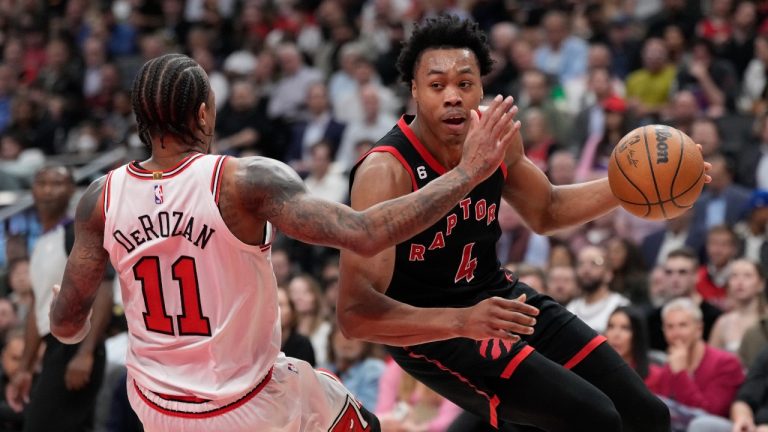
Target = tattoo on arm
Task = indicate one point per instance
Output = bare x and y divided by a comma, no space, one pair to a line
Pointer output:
274,192
86,263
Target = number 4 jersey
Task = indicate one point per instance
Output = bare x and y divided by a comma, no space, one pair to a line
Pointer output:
453,262
201,305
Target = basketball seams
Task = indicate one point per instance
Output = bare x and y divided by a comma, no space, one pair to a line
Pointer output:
671,200
653,174
677,170
621,170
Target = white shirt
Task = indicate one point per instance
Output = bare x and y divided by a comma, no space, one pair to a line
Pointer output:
49,258
596,314
671,242
332,186
358,131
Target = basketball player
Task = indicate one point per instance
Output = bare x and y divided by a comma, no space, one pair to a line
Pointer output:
189,236
438,300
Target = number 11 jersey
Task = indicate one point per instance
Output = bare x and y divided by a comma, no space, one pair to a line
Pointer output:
201,305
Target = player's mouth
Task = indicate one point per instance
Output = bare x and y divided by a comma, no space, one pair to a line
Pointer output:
455,122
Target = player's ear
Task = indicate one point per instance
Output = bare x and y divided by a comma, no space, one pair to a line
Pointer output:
413,88
202,114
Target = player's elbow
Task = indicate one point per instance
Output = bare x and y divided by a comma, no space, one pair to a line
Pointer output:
349,325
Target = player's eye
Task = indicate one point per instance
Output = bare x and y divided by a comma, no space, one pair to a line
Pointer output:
465,84
436,85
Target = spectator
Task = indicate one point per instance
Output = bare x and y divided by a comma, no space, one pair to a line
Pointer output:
624,45
562,284
561,167
10,359
753,83
680,282
749,411
696,378
241,124
289,94
649,88
532,276
753,232
578,91
282,266
677,233
722,202
683,111
320,125
71,374
293,344
590,120
706,132
325,179
627,334
539,142
535,93
353,362
721,249
746,298
712,80
740,48
405,404
349,105
673,12
18,161
596,152
7,89
304,291
562,54
629,271
374,125
716,26
596,302
21,286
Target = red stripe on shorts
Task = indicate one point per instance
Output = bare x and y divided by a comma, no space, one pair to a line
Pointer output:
584,352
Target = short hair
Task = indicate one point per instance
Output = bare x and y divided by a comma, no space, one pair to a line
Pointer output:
59,168
441,33
166,95
684,304
684,252
724,229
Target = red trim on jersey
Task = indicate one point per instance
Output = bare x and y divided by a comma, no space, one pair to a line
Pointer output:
425,154
516,360
493,402
143,174
218,170
584,352
503,167
396,153
199,415
105,196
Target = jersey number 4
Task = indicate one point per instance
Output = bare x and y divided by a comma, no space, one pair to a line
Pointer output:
191,321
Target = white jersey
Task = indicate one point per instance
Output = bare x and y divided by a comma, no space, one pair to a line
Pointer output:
201,305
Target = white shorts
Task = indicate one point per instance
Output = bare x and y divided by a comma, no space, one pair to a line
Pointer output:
293,397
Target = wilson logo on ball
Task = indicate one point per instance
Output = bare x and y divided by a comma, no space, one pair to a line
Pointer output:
662,155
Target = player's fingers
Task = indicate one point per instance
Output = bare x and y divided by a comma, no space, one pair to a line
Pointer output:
491,109
517,306
498,113
12,396
517,328
509,136
503,335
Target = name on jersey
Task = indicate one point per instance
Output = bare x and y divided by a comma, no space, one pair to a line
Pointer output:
164,225
480,211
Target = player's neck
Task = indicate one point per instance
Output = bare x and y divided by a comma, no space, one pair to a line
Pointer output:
168,155
447,153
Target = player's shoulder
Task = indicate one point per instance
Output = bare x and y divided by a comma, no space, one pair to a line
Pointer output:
92,200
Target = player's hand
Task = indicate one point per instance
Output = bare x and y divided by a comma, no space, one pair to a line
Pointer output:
17,390
78,372
499,318
707,166
489,137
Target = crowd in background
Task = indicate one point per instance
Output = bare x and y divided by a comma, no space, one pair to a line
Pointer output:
314,84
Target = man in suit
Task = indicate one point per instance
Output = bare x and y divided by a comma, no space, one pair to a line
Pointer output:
320,125
679,232
722,202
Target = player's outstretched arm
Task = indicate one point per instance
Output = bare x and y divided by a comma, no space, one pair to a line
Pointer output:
364,312
272,191
84,273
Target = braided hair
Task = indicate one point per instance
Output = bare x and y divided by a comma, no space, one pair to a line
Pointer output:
166,95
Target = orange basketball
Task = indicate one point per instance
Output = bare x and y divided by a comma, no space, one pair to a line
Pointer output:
656,172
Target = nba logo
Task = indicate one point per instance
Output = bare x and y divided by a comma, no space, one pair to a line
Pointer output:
158,194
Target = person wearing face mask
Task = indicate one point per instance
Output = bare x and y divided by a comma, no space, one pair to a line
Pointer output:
597,301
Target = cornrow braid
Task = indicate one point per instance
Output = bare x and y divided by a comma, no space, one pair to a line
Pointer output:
166,94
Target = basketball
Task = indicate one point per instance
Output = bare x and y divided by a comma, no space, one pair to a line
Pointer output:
656,172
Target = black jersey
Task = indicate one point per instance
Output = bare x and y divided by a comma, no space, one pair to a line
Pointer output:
454,261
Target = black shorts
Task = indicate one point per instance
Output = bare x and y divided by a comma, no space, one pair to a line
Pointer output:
476,374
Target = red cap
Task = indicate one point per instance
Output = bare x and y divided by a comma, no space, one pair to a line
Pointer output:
614,104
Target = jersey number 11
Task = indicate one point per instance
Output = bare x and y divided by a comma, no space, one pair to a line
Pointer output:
191,321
